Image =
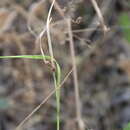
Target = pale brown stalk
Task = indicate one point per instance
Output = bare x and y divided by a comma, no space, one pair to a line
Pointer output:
75,76
48,35
100,16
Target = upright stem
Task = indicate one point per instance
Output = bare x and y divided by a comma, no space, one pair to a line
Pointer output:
75,76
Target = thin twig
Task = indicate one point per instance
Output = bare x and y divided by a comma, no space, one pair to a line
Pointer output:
105,6
75,76
97,9
58,8
43,102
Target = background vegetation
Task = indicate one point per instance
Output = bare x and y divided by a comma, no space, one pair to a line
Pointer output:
100,57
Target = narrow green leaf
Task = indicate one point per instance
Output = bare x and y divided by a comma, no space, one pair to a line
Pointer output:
26,56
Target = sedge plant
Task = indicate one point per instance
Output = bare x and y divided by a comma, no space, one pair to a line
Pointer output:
56,74
56,70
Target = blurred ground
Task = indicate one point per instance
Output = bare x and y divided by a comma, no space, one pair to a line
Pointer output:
102,61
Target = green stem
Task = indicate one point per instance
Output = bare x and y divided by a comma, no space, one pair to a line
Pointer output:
57,80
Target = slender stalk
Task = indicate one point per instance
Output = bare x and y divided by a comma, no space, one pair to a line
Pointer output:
75,76
98,11
57,80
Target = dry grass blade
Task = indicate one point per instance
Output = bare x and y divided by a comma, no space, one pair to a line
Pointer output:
48,34
43,102
40,42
